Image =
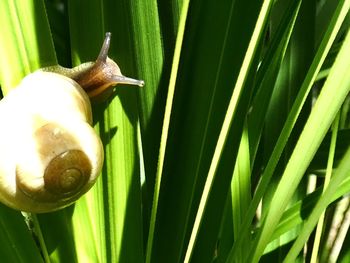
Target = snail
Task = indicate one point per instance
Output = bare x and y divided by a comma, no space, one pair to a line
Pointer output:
50,154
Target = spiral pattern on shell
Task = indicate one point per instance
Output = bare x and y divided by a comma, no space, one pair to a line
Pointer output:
67,173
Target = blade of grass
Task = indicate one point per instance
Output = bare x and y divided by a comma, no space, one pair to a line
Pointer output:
154,46
199,106
114,205
299,211
22,49
241,185
153,53
227,122
322,115
319,228
343,143
320,56
167,114
17,244
328,103
268,74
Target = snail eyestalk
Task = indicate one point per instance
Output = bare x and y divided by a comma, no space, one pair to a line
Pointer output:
105,47
96,78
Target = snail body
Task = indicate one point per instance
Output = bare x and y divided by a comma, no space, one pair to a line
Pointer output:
50,154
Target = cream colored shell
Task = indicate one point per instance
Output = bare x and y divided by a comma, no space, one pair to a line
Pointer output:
45,116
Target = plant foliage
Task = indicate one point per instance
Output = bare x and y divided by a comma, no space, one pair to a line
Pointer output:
236,150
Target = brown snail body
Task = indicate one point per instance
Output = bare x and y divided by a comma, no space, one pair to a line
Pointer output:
56,155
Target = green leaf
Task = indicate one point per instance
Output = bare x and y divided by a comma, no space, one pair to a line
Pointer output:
321,117
17,244
21,50
212,134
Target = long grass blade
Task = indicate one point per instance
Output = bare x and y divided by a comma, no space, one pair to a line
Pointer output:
165,128
320,56
321,117
227,122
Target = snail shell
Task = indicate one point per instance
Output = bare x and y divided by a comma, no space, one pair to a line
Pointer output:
49,153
